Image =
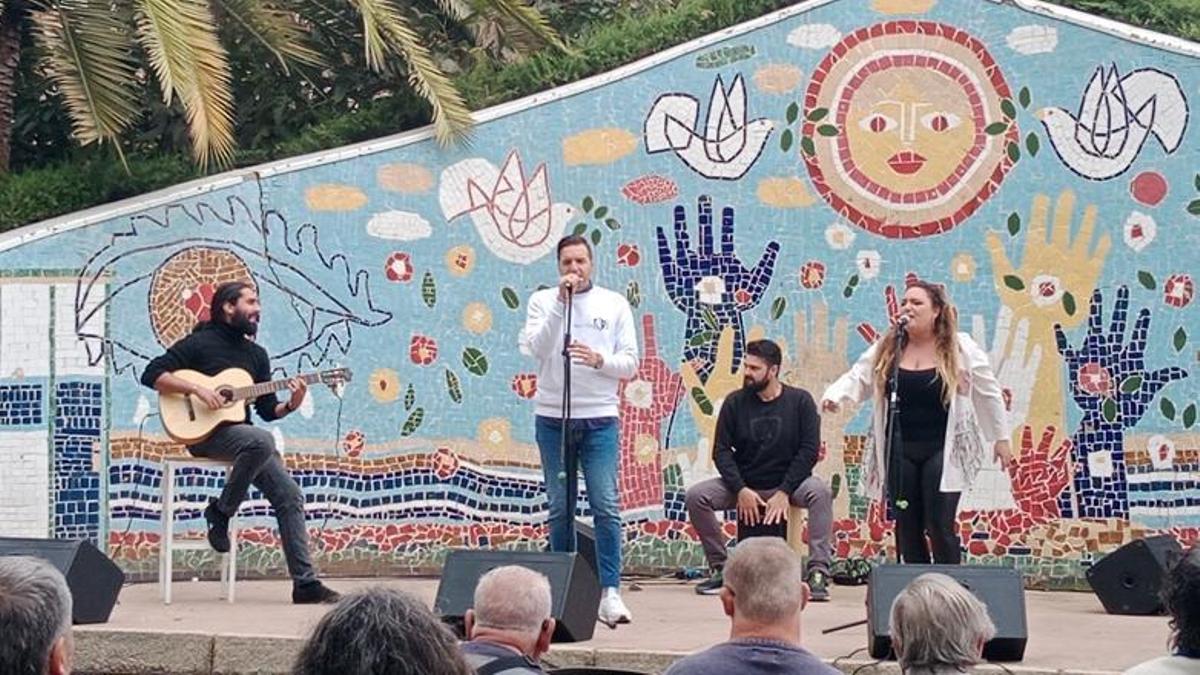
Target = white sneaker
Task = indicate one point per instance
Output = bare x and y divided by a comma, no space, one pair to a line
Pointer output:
612,610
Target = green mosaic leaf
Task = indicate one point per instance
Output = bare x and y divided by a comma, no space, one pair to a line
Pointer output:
1146,279
793,112
1167,408
701,338
1179,339
810,148
612,223
580,228
1109,410
415,418
474,361
596,236
510,298
1068,303
818,114
710,319
828,130
1014,223
1197,181
1189,416
1194,207
1032,144
1007,107
1025,97
633,293
848,292
777,307
724,56
1014,152
702,401
852,281
996,128
601,211
1131,384
588,203
429,290
1014,282
786,139
410,397
453,386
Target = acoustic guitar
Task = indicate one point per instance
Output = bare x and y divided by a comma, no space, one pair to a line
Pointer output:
188,420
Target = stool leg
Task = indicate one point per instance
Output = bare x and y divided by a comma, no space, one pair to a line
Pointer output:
165,548
229,570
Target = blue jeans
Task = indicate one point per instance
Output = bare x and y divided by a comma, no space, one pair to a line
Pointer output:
595,444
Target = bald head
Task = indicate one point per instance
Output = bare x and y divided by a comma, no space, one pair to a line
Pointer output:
766,579
512,598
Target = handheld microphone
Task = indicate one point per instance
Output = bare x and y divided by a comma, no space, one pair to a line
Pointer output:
902,322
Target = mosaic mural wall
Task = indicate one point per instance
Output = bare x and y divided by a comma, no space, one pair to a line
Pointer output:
783,179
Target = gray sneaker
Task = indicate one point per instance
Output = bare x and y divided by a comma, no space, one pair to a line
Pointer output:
818,585
711,585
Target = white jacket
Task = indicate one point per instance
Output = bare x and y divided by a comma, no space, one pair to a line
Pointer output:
601,320
977,406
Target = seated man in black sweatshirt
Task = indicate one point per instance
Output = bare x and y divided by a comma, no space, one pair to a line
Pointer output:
223,342
766,445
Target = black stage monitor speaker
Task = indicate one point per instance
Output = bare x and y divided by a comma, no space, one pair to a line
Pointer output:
1130,579
93,578
999,588
574,588
585,544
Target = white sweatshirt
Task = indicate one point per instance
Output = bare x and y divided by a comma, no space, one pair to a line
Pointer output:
602,320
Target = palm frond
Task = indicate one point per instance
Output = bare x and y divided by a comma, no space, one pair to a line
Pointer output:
275,28
458,10
526,21
87,52
386,29
181,40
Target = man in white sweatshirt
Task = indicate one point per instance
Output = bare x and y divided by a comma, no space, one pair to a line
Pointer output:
603,350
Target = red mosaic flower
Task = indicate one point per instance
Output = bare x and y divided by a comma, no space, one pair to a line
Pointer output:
422,350
1178,290
198,301
524,385
743,297
1148,188
353,443
812,274
445,463
1095,379
628,255
650,189
398,267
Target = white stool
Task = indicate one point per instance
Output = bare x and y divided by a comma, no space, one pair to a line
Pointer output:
168,545
795,528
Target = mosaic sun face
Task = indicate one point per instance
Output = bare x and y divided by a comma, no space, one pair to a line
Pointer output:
898,114
182,289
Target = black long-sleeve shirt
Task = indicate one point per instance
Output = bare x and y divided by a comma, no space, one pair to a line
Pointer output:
211,349
767,445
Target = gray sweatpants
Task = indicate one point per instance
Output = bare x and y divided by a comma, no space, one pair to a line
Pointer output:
707,497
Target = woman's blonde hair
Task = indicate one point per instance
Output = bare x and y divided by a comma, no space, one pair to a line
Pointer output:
945,333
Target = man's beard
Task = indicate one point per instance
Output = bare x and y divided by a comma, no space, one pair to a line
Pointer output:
754,386
242,324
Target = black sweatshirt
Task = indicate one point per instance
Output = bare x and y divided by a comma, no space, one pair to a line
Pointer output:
212,348
767,445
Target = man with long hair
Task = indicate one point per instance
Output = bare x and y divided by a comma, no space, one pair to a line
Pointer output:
226,340
1181,594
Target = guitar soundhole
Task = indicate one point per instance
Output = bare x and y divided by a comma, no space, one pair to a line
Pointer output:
226,394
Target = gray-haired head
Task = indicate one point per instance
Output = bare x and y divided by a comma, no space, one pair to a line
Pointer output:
379,630
512,598
766,579
35,612
936,623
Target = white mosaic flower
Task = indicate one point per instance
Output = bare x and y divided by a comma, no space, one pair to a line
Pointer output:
1100,464
868,263
710,290
1162,452
839,236
639,394
1046,290
1140,230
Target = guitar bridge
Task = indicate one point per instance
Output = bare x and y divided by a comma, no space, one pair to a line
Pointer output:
191,409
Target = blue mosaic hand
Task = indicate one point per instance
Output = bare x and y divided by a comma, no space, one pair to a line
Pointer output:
1110,384
711,285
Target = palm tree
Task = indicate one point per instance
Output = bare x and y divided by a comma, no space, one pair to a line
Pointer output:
100,54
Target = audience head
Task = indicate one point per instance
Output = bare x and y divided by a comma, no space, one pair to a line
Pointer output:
764,583
512,606
380,630
1181,594
35,618
936,623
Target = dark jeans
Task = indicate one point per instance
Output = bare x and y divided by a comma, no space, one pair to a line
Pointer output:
256,462
930,511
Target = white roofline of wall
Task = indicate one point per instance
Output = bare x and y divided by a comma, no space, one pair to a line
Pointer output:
79,219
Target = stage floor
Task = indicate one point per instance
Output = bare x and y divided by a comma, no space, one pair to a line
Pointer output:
1067,631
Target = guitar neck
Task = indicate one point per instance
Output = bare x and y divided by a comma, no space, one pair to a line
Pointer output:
256,390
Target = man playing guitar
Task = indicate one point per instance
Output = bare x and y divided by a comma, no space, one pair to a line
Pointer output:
226,341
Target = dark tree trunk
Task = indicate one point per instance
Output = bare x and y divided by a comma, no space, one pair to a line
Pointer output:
10,60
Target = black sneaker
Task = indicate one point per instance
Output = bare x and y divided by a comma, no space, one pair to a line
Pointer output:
218,528
711,585
314,593
818,586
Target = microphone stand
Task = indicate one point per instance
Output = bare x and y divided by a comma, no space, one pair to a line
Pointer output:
568,459
894,485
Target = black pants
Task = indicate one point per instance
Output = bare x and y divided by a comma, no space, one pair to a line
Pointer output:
930,511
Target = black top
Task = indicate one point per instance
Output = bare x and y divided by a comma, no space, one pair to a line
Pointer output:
211,349
767,445
923,415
